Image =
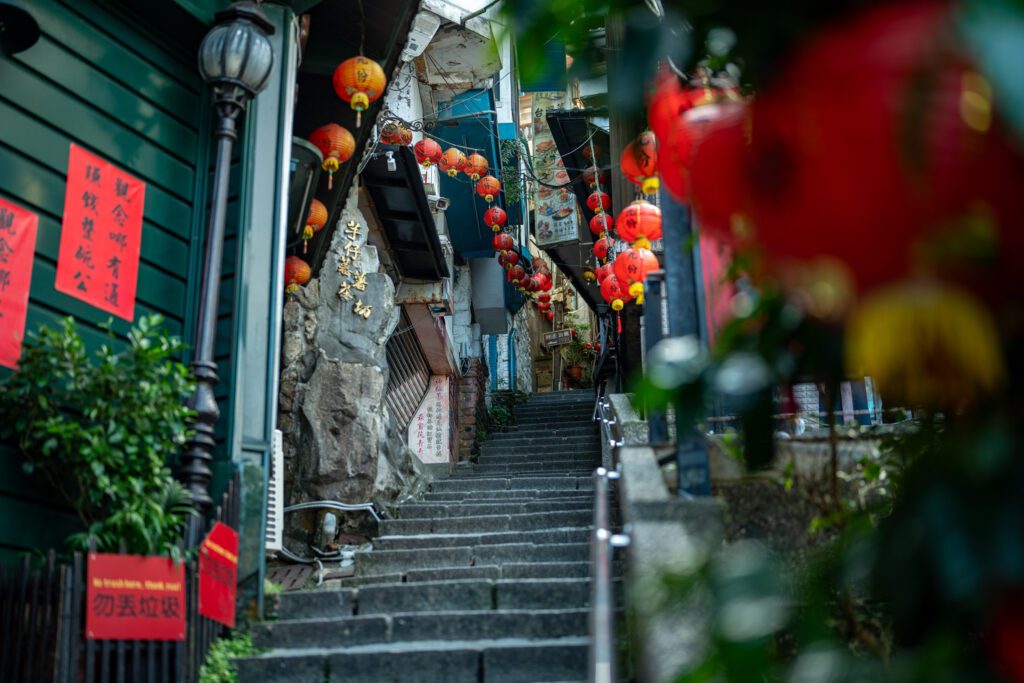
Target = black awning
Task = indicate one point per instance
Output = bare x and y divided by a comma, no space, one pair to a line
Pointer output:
401,205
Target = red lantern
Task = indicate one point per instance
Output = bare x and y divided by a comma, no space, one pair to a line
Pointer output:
516,273
550,315
533,284
595,179
503,259
604,271
544,298
394,134
597,346
512,258
315,221
359,81
296,272
548,284
639,162
495,218
639,222
337,146
542,278
543,305
488,187
601,224
613,293
476,166
631,269
452,161
599,201
587,346
503,241
601,248
427,152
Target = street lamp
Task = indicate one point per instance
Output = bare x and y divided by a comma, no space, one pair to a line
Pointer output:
235,60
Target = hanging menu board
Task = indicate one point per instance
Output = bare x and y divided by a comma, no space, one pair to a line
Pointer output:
555,212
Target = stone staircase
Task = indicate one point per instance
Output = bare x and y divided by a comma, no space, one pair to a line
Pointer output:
486,580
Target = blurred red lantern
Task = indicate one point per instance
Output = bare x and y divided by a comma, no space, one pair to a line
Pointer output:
296,272
476,166
604,271
537,262
543,305
315,221
495,218
587,346
548,284
512,259
488,187
516,273
639,162
599,201
542,277
602,223
533,284
337,146
601,248
639,222
393,133
359,81
452,161
632,267
550,315
503,259
427,152
597,346
717,175
595,178
503,242
544,298
613,293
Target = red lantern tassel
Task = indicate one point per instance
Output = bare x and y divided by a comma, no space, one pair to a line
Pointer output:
618,318
330,180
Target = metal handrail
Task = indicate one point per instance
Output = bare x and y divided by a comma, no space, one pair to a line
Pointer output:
602,664
601,413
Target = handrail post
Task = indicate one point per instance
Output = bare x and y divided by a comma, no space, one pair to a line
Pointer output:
602,664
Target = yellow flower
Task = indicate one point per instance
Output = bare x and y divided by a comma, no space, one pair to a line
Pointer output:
926,344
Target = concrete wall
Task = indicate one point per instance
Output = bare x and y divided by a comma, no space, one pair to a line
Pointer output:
524,360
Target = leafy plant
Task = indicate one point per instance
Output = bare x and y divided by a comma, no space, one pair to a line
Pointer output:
511,178
101,428
218,667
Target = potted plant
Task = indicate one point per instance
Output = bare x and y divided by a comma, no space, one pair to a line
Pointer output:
102,427
578,355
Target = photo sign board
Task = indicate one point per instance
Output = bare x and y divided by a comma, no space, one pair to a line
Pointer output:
555,220
218,574
557,338
17,250
101,234
429,436
134,597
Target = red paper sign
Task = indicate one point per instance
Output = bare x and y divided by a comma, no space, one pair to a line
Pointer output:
218,574
101,234
17,249
133,597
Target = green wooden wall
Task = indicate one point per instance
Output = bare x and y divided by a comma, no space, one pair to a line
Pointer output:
99,79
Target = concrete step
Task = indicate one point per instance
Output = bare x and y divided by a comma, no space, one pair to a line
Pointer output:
513,484
447,661
541,419
404,560
516,432
408,542
511,570
413,626
566,456
450,509
505,495
553,470
527,439
591,445
485,523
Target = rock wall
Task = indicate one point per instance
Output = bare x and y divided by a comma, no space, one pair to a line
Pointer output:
339,440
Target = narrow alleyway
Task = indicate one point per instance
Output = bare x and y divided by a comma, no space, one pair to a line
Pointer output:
485,580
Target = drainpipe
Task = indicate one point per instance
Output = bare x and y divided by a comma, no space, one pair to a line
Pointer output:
512,359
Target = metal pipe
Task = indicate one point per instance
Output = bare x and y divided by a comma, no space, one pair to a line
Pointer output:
601,664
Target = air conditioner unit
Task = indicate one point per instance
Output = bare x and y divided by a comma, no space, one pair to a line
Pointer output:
274,539
424,26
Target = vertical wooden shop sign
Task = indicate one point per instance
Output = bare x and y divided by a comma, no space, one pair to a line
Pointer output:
218,574
101,234
17,249
133,597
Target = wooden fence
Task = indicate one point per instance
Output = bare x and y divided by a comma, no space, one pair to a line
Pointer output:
42,625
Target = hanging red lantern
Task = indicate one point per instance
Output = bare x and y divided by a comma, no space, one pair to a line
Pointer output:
543,305
337,146
495,218
503,259
512,259
614,293
427,152
548,284
542,278
640,222
601,248
488,187
544,298
503,242
393,133
533,284
296,272
452,161
603,271
516,273
631,269
595,179
550,315
599,201
315,221
537,263
359,81
602,223
639,162
476,166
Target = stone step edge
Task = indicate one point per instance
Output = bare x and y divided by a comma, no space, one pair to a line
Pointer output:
470,534
391,616
421,646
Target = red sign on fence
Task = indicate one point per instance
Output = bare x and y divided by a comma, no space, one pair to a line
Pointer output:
132,597
17,249
218,574
101,235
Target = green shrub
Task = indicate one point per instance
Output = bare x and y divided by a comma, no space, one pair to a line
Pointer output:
218,667
102,429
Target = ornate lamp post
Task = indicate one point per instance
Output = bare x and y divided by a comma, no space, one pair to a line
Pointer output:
235,60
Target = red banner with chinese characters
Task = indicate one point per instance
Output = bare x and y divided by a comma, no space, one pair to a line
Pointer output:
218,574
133,597
101,234
17,250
